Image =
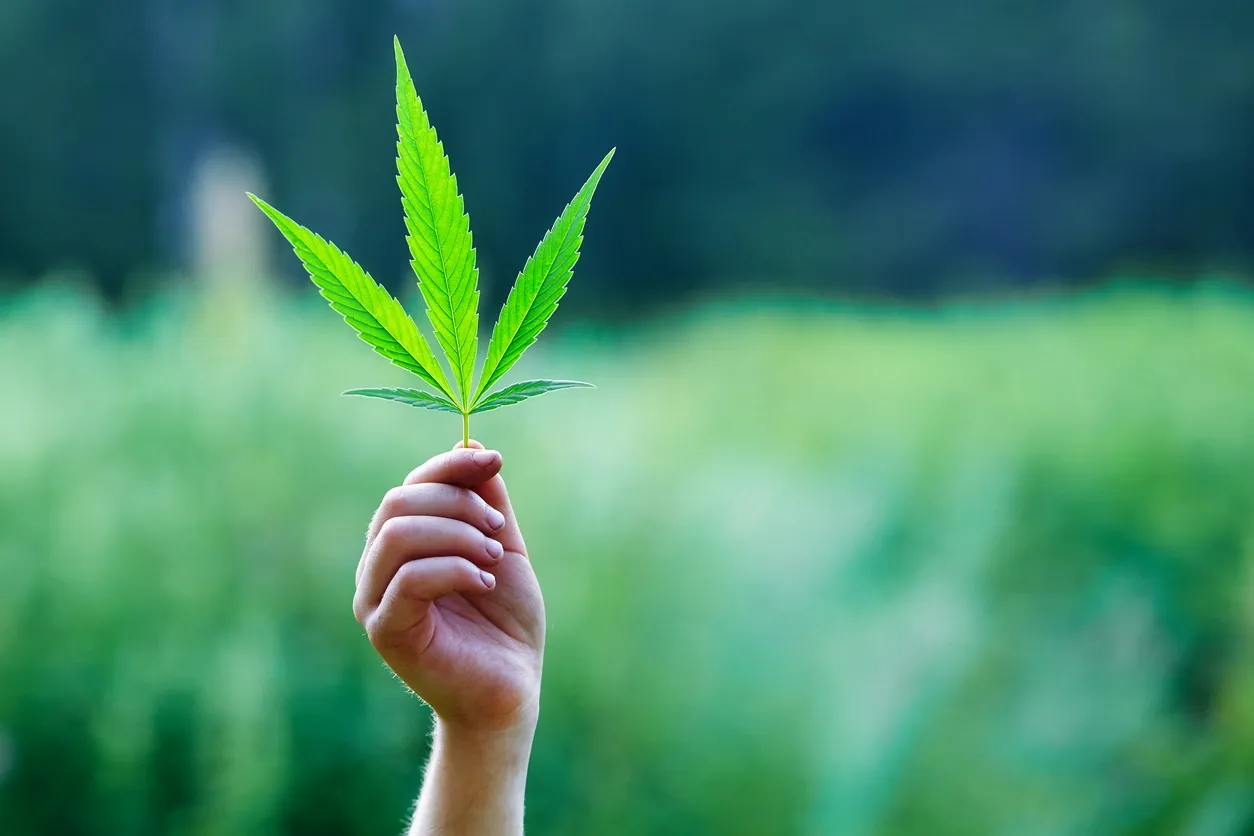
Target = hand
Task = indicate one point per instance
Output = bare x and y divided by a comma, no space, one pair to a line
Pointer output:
448,597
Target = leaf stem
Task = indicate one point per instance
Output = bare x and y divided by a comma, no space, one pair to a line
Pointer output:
465,429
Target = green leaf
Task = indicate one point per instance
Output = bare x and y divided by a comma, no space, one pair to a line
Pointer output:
527,389
365,304
539,286
410,397
442,255
440,244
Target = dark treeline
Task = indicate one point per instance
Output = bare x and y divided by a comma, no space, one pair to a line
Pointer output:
877,146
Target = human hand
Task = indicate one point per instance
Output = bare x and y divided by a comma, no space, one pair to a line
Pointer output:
448,597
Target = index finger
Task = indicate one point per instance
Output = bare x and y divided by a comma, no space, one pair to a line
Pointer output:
464,467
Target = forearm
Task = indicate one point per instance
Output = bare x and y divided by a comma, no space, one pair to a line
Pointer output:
475,782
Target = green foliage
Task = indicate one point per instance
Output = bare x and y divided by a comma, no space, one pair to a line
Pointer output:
527,389
540,286
376,316
443,258
439,232
996,576
409,397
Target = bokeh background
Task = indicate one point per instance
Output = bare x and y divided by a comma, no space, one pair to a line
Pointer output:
916,497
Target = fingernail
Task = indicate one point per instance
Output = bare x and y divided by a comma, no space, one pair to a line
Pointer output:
485,458
495,549
495,518
488,580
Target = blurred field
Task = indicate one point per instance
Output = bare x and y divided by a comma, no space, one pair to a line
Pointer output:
812,571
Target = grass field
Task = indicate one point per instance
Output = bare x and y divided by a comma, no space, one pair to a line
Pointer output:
811,570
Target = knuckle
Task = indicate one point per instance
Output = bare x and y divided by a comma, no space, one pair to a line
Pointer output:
375,631
416,475
409,579
463,572
392,528
470,502
449,495
439,465
393,503
406,575
361,611
473,541
396,533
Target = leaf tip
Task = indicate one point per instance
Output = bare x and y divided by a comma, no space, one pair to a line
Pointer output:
273,214
402,68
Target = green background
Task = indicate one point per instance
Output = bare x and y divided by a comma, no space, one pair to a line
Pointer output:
809,569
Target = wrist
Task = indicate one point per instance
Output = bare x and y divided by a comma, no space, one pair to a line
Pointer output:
476,779
499,742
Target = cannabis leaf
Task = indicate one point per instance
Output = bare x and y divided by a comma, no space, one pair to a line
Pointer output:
439,232
442,255
378,318
410,397
527,389
539,286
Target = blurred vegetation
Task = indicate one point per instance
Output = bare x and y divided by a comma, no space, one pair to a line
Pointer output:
808,570
881,146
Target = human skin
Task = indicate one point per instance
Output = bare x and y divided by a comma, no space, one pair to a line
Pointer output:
448,598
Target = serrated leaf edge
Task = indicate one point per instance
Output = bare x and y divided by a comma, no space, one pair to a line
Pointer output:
452,303
502,353
424,363
409,397
497,399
